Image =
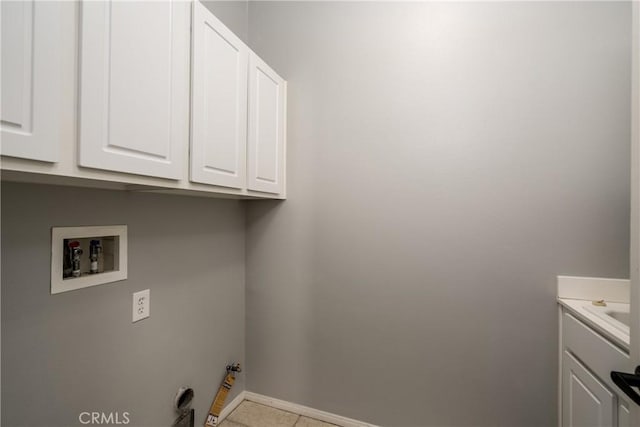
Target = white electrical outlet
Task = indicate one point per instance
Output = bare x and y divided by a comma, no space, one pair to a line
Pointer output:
141,305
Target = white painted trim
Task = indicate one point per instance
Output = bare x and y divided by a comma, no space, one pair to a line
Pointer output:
283,193
593,288
560,371
634,263
305,411
231,406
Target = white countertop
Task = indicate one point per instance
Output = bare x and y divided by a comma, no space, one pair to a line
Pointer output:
586,312
577,294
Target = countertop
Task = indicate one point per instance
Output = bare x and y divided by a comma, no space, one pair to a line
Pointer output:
581,309
576,294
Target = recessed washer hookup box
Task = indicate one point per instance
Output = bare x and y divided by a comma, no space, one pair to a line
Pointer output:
87,256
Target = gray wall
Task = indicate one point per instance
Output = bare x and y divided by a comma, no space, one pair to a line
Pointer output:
78,351
446,162
233,13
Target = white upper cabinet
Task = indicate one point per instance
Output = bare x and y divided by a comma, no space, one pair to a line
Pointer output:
265,150
157,94
134,86
31,73
219,102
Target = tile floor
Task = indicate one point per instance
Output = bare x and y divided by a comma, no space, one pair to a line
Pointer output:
250,414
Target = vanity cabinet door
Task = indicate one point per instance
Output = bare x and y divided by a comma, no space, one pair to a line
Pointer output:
134,86
31,79
624,415
265,150
585,400
219,103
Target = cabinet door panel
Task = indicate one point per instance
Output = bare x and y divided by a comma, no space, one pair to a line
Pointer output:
134,86
219,103
586,401
31,76
624,415
266,128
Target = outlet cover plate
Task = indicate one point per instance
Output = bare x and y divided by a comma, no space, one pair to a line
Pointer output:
141,305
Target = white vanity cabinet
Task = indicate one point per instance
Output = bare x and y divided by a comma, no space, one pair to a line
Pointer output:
588,395
31,79
134,86
218,103
586,400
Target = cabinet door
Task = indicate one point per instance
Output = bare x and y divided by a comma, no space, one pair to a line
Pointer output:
624,415
31,76
265,148
219,102
586,402
134,86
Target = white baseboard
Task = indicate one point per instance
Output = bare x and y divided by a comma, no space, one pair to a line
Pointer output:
231,406
302,410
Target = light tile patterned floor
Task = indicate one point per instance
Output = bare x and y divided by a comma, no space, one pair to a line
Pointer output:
250,414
